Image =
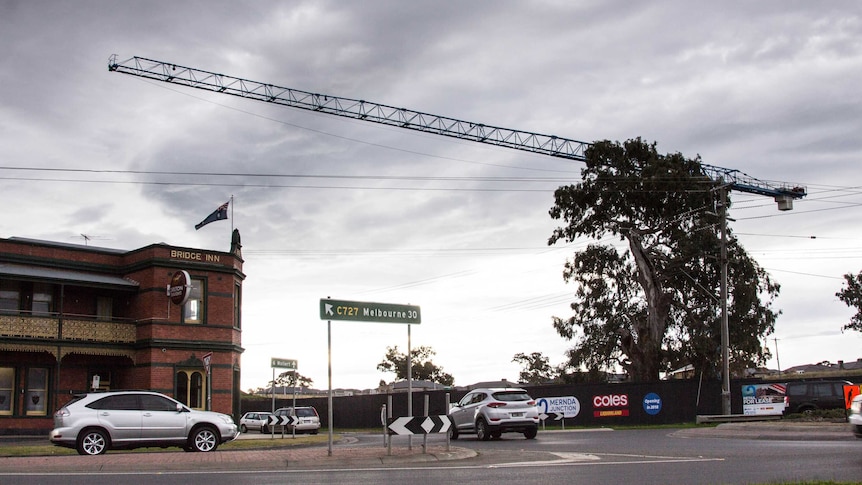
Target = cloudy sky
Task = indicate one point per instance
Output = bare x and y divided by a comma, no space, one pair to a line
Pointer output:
355,211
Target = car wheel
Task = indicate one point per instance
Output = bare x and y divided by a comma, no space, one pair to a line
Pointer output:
92,442
482,430
496,434
243,429
264,429
530,433
453,432
204,439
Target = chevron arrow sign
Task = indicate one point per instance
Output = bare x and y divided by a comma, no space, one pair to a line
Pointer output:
283,420
419,425
554,416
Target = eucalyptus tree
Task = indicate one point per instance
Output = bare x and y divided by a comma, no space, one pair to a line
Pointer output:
851,295
420,363
647,286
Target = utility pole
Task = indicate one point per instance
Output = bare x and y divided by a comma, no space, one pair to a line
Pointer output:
725,332
777,362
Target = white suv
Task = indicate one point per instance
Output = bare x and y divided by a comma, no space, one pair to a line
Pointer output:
491,412
856,416
96,422
307,420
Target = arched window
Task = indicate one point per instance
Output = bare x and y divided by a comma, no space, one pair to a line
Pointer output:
191,388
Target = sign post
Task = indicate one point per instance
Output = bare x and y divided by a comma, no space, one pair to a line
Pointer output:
365,311
277,363
207,358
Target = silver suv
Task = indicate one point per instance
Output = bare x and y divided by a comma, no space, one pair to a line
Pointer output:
95,422
307,420
491,412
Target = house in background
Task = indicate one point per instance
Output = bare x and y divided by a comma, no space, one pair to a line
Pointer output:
74,318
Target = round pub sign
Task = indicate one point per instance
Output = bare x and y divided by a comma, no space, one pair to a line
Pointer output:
180,287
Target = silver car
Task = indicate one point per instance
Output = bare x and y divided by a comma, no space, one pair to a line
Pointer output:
96,422
491,412
254,420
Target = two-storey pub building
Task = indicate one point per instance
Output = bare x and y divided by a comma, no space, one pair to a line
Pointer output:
77,318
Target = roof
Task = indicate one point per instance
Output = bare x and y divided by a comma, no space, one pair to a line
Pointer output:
67,276
85,247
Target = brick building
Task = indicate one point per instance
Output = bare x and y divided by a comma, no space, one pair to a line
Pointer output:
76,316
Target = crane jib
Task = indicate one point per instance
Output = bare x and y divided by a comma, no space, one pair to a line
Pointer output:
551,145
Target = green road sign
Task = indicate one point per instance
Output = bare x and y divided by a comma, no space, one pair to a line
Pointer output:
364,311
283,364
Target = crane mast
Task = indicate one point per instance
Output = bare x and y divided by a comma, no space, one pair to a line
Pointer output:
551,145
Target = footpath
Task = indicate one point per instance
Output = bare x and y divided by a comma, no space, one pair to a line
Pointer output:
345,454
774,430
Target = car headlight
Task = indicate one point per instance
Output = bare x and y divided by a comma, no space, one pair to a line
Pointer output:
227,419
856,406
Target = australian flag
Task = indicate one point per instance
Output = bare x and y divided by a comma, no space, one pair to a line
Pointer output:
218,215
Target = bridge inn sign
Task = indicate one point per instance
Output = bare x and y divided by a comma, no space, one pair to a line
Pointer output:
363,311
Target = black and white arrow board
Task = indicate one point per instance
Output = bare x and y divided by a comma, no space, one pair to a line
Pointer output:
283,420
419,425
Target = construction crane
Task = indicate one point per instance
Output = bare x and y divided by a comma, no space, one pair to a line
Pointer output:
554,146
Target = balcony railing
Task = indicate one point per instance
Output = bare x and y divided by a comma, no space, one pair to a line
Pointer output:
74,329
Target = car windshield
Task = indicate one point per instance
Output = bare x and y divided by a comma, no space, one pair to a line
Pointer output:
512,396
305,412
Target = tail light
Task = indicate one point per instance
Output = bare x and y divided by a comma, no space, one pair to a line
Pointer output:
496,404
531,403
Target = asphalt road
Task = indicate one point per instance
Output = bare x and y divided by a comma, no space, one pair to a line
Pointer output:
654,456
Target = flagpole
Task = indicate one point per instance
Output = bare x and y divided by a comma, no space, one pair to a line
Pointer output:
231,214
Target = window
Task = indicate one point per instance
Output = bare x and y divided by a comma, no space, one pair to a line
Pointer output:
150,402
37,391
822,389
193,310
237,306
104,308
119,402
10,296
191,388
43,296
7,387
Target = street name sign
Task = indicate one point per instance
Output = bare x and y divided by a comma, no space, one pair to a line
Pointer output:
283,364
364,311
